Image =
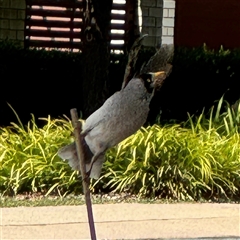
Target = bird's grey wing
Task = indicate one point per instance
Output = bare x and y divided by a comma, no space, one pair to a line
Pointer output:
92,121
102,114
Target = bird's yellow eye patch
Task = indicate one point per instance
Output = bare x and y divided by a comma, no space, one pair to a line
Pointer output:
148,80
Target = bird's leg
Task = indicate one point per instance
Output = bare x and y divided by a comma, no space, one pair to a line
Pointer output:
94,159
85,132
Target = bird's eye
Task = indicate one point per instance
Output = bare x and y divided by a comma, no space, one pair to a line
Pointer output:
148,80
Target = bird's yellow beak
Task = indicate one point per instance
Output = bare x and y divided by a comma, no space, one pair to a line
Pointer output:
159,75
158,78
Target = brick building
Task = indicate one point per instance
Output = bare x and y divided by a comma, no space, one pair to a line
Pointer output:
182,22
158,21
12,16
156,17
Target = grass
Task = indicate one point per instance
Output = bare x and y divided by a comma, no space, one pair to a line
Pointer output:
197,160
38,200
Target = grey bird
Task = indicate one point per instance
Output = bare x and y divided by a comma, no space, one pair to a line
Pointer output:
119,117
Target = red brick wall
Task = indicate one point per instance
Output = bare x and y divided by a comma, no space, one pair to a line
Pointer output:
214,22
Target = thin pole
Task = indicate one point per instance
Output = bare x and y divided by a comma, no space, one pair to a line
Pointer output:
86,180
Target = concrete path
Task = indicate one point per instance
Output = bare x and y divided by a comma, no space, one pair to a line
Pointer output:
123,221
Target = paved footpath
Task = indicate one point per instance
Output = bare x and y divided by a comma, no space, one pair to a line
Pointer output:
123,221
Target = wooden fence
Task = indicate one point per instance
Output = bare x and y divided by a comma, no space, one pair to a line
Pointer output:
58,24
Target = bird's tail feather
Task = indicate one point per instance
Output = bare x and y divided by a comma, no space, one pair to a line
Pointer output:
132,59
69,153
160,61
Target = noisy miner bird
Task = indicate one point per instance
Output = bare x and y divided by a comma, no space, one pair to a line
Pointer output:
119,117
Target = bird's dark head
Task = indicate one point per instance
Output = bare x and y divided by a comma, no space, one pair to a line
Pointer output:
153,81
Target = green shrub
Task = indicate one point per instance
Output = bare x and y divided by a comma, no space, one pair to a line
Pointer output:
194,159
28,158
197,159
199,77
174,162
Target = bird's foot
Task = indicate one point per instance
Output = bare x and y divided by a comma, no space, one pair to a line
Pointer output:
87,176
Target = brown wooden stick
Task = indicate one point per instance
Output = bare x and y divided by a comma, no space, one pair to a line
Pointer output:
86,180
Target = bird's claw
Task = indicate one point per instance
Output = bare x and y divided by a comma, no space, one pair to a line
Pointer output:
87,176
